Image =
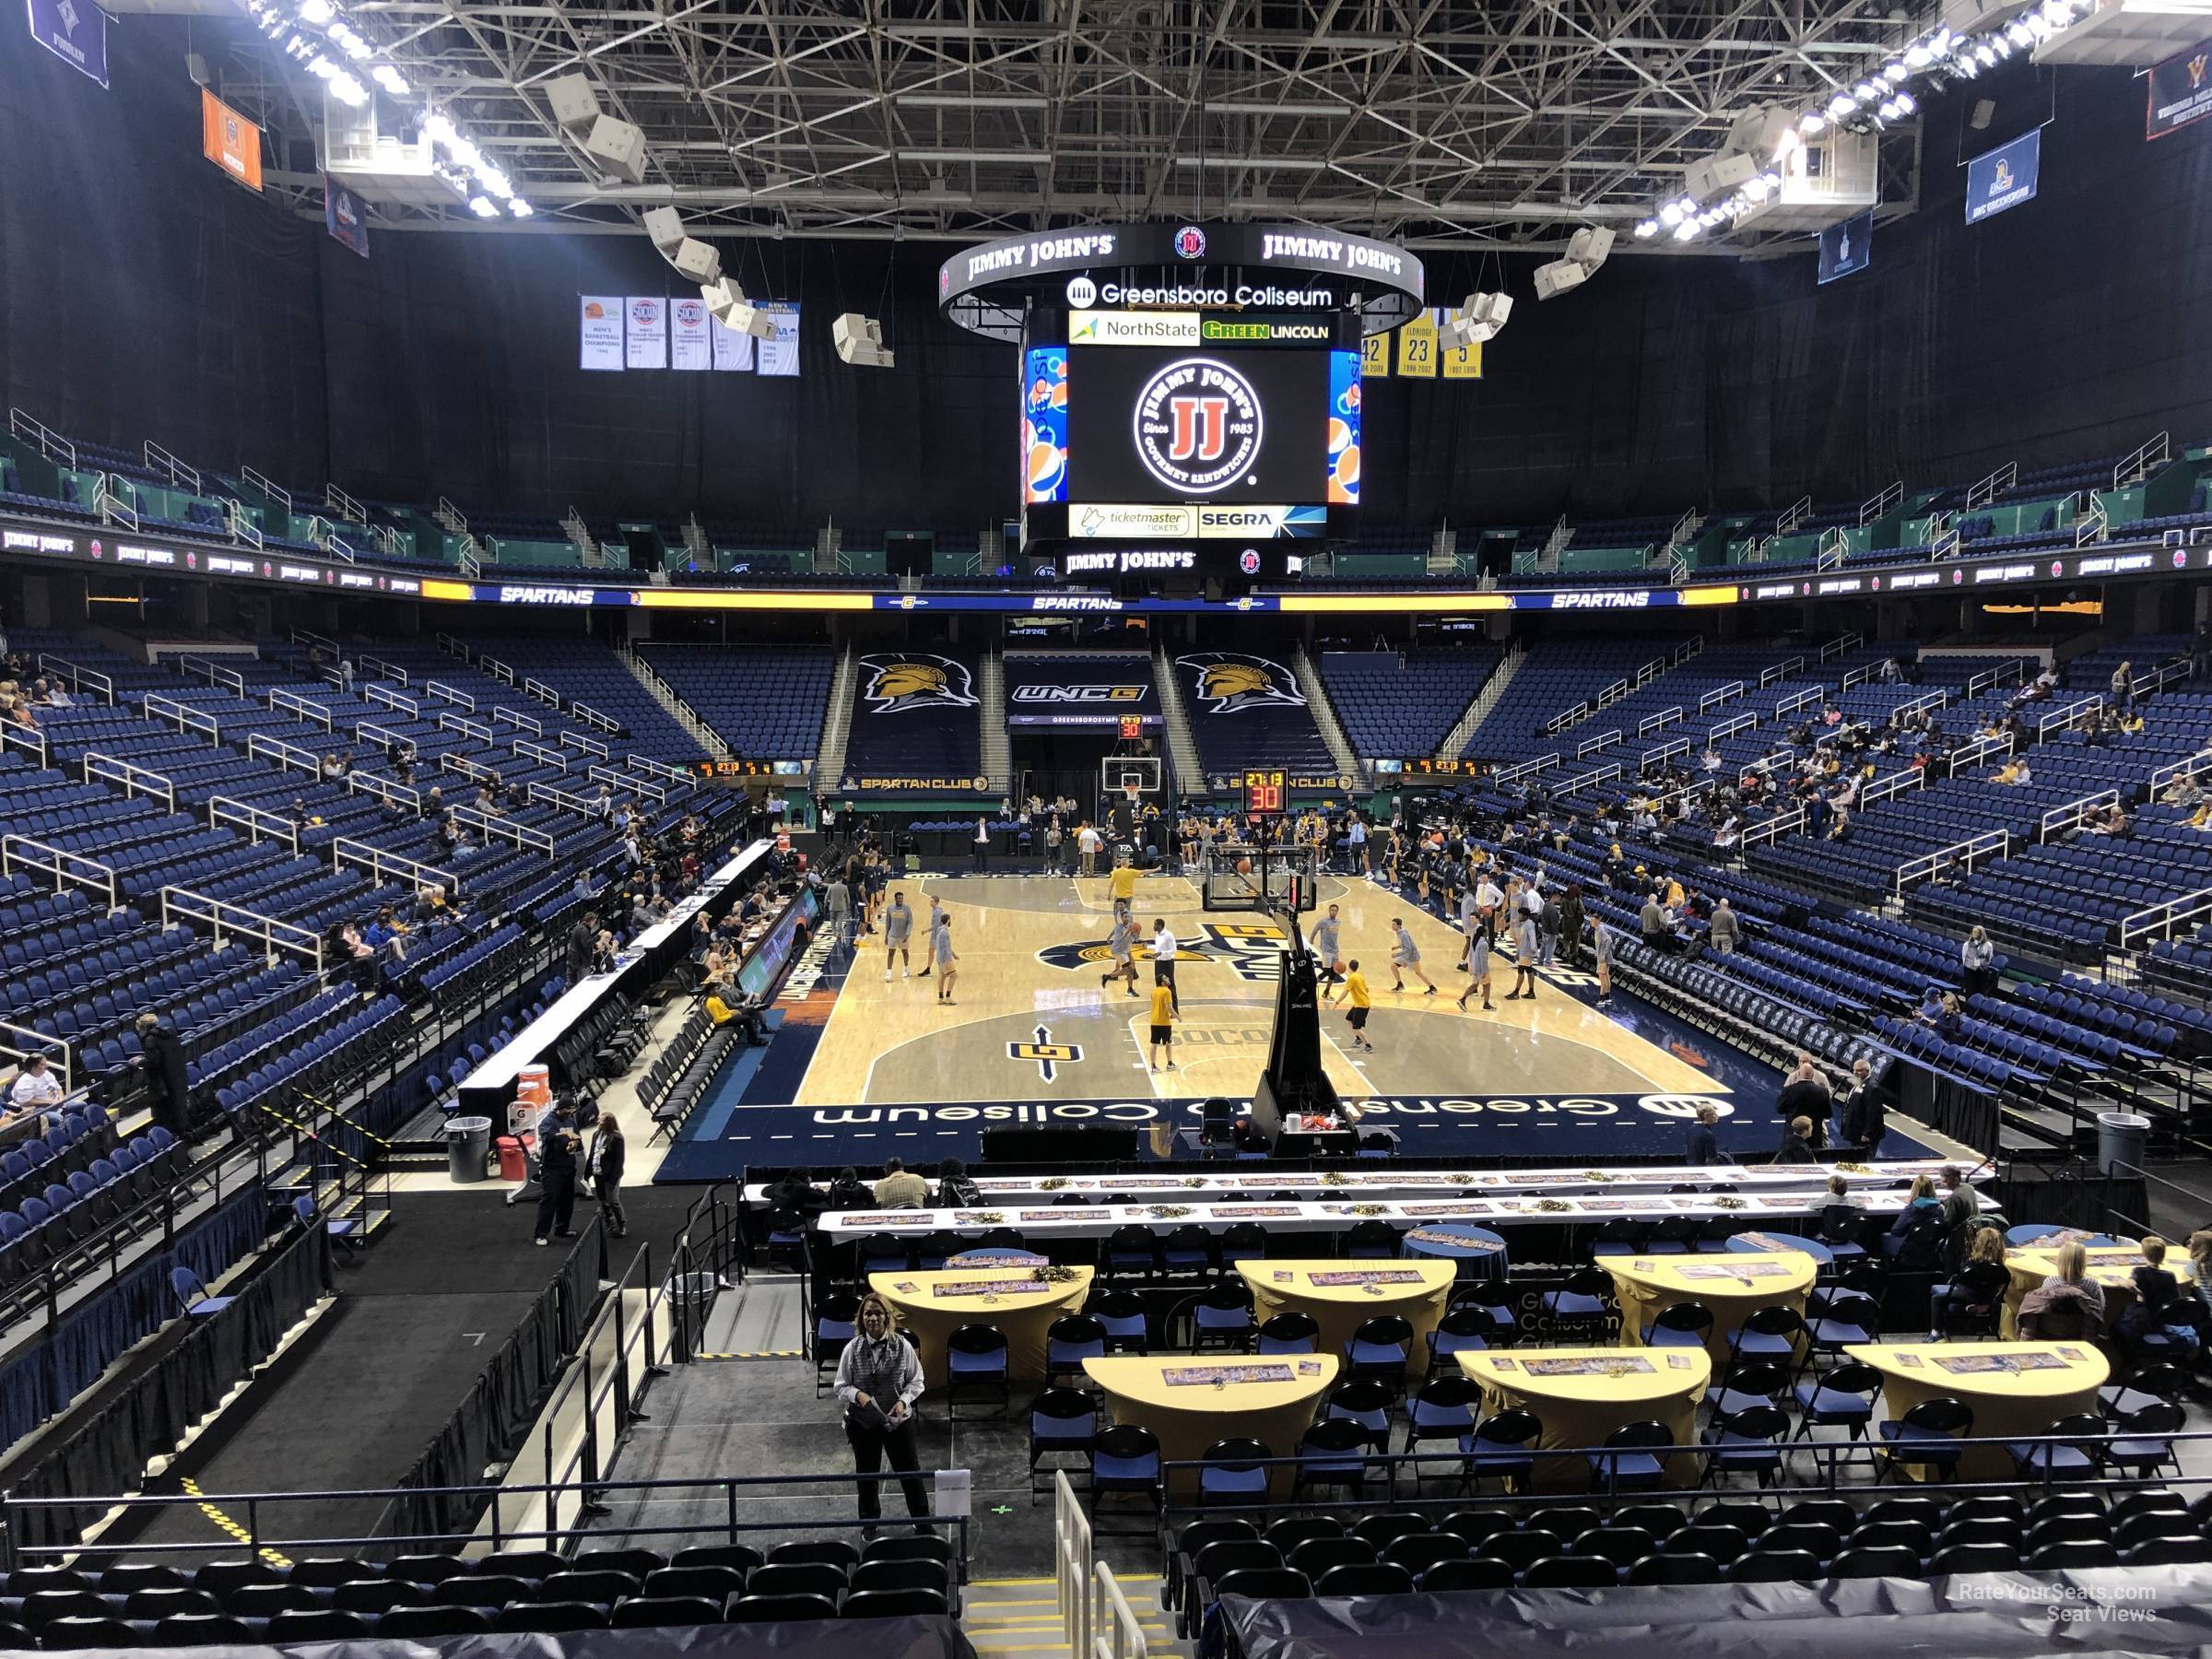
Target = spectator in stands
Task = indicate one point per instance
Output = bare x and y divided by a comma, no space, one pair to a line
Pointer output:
2068,1306
1658,928
955,1187
2123,696
602,1169
1985,1246
2112,821
603,804
879,1379
848,1192
1961,1202
900,1188
1721,933
1864,1123
577,957
35,1089
1977,958
1700,1147
1804,1093
1796,1142
558,1145
2014,771
980,845
1919,1204
1572,921
2159,1306
331,770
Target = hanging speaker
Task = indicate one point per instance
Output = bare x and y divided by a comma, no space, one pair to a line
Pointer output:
695,261
619,148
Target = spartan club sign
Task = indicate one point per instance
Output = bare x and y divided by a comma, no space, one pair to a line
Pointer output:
1198,426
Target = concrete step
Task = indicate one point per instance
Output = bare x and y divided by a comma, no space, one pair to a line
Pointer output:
1022,1615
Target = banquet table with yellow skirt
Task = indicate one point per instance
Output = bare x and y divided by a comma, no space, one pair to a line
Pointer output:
2015,1389
1342,1295
933,1305
1190,1401
1731,1287
1582,1394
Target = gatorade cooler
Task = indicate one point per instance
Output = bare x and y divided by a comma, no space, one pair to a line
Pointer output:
535,1084
514,1166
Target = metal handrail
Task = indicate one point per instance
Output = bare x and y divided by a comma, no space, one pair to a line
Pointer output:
2163,920
300,708
182,904
1996,841
62,866
2072,815
223,809
188,718
391,699
80,679
582,744
539,753
260,746
524,722
440,688
377,861
133,780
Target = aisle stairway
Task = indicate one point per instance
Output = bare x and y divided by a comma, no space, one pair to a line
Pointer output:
1325,715
997,752
1455,741
836,724
1021,1616
1182,748
680,710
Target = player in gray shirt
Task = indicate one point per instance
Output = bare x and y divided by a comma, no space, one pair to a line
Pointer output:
898,924
1328,952
1121,942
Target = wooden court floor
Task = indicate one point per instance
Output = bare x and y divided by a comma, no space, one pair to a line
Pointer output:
1030,1019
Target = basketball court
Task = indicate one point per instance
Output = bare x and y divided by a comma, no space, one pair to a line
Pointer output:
1033,1038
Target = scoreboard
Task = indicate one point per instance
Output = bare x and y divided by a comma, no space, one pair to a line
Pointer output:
1267,792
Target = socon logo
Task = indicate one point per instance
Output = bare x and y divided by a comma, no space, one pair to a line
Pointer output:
1082,293
1198,426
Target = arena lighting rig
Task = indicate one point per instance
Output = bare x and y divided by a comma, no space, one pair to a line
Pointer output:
1738,183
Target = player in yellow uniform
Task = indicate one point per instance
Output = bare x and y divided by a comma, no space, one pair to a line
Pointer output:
1121,884
1358,999
1163,1024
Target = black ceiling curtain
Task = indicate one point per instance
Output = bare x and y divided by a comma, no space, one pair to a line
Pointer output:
144,294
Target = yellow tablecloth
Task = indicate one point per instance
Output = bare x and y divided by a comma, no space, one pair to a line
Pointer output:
2031,1265
1581,1395
2059,1378
1024,1310
1190,1416
1731,1286
1417,1292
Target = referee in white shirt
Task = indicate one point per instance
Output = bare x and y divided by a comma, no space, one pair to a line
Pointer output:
1164,946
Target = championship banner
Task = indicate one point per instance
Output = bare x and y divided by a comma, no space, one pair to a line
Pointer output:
692,348
645,332
1418,348
74,30
343,217
599,337
779,355
733,350
1848,248
2004,176
1080,691
228,139
2180,91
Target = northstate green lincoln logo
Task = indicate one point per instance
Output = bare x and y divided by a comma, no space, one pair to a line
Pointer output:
1254,950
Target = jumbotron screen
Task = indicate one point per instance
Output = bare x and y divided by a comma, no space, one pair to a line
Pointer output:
1186,426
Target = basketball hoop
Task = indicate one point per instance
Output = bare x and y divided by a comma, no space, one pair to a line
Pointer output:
1134,792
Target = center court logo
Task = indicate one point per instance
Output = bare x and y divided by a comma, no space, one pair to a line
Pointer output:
895,684
1198,426
1231,680
1251,950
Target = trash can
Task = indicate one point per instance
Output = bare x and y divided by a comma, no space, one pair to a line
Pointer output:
467,1145
2120,1139
514,1163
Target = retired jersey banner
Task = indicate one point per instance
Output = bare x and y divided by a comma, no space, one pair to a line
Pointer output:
691,347
733,350
779,355
74,30
645,332
599,336
228,139
1417,349
2004,176
1463,362
344,217
2180,91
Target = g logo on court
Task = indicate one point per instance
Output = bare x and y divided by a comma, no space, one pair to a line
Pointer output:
1047,1056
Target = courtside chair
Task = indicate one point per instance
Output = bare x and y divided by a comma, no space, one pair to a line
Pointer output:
1680,1324
1232,1473
192,1296
1071,1339
1062,1423
976,1357
1291,1333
